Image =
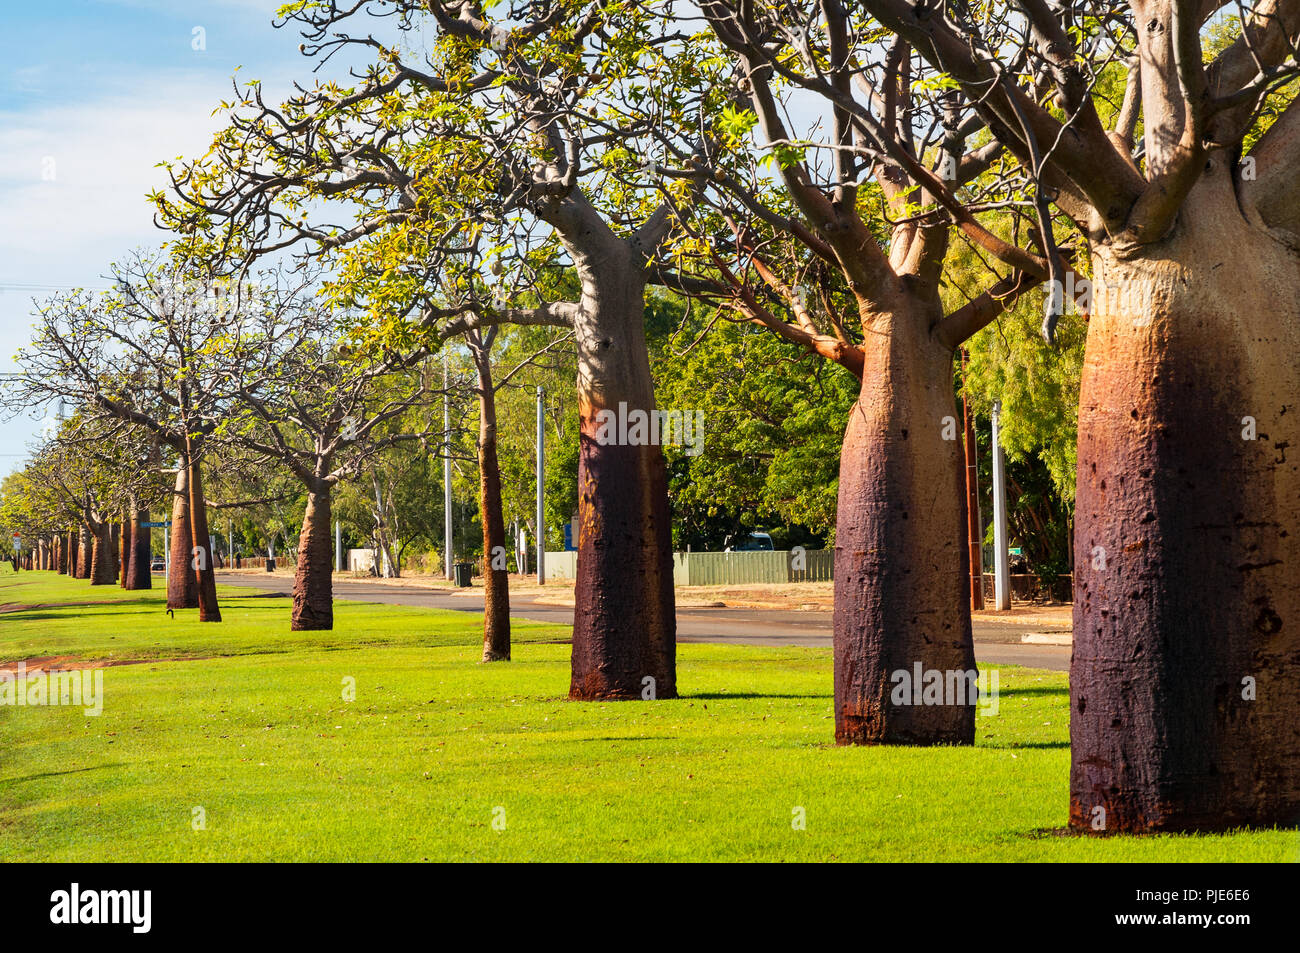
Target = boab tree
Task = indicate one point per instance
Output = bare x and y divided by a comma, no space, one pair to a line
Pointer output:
305,401
496,609
1185,676
62,478
139,355
490,146
846,260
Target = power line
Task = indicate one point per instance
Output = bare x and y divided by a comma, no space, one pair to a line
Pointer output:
23,286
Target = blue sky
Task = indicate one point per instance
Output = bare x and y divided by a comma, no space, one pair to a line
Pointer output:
94,93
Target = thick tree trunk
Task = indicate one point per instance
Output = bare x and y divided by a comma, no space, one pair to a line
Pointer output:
1185,676
201,564
84,552
313,582
141,575
902,608
126,550
101,558
496,581
71,557
182,583
624,626
115,549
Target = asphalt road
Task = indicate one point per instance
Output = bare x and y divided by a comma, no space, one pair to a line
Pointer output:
995,642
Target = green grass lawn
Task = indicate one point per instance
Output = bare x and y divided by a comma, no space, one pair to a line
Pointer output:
247,721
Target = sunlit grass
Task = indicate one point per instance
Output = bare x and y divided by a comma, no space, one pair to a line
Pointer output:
435,747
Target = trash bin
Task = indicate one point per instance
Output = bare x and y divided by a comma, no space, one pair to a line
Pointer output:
463,572
270,565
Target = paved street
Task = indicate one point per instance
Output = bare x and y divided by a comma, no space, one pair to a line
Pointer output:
995,642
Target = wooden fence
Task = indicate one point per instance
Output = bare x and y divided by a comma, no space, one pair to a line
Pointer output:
725,569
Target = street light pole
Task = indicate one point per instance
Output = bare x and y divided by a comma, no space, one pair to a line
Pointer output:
541,489
1001,564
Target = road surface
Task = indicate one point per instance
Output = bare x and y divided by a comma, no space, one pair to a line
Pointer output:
995,642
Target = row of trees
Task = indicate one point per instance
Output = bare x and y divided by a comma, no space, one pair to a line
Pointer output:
871,184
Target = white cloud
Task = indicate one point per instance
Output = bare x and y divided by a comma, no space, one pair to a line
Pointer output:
66,231
74,177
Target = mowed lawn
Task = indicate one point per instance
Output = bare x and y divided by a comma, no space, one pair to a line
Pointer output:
442,758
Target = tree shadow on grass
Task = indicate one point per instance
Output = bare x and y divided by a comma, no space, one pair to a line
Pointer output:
56,774
32,616
1013,745
1011,692
748,696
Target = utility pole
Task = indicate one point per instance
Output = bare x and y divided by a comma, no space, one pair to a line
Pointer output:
338,546
541,489
1001,563
446,468
973,528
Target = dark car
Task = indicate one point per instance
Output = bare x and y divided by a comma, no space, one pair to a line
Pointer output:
749,543
157,565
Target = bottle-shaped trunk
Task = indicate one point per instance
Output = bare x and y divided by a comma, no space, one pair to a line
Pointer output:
313,583
141,574
182,583
125,550
101,555
201,566
1185,676
85,546
624,626
904,660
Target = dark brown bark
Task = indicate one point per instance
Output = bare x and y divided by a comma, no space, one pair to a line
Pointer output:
140,575
901,560
496,582
84,552
101,555
201,566
624,626
313,582
115,549
1185,675
182,583
125,551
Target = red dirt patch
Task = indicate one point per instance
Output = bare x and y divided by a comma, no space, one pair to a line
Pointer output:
24,607
71,663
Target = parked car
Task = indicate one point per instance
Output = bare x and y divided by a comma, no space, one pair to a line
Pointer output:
751,543
157,565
